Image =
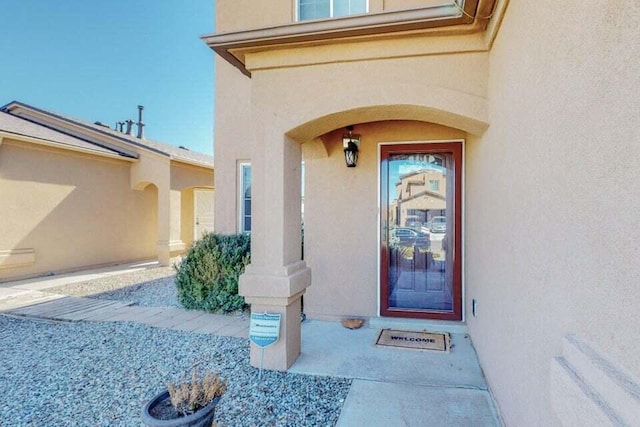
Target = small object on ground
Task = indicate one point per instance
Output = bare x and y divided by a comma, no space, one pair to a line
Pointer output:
352,323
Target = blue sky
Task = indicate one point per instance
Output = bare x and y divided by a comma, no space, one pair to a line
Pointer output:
99,59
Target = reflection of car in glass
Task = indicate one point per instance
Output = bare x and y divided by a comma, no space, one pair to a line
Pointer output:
413,222
408,237
438,224
414,225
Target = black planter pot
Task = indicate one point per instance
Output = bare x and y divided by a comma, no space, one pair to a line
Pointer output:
201,418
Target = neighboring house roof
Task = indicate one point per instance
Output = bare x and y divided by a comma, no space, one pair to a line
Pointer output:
168,150
24,128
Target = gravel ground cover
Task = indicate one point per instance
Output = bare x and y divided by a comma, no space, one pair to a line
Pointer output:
101,374
153,287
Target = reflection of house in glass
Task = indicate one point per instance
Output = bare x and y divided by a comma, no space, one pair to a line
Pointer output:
420,196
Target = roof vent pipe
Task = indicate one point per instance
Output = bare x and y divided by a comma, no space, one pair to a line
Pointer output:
140,123
129,126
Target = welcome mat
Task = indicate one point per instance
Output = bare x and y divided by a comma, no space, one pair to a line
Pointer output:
414,340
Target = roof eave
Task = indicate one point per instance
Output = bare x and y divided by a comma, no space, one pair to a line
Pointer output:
18,104
448,14
55,144
193,162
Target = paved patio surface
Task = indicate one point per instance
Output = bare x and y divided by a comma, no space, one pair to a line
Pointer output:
391,386
399,387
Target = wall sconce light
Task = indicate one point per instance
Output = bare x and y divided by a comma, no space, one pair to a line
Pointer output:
351,142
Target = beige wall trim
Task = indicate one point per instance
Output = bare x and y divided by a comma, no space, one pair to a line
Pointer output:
173,245
586,386
193,163
47,143
447,15
168,250
469,113
494,24
17,258
413,45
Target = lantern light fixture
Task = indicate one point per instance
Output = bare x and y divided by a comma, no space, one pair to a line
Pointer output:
351,144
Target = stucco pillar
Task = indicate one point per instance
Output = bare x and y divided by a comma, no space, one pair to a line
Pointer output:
169,242
276,278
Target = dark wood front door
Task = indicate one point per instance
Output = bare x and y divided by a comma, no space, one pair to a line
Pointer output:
421,214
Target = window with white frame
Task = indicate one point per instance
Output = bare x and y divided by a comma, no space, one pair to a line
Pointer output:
319,9
244,198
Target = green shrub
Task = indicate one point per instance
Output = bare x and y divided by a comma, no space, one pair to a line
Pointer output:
207,278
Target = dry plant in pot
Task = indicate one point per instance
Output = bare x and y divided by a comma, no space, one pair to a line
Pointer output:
189,403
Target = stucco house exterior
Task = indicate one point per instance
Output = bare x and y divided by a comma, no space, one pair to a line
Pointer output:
528,110
75,194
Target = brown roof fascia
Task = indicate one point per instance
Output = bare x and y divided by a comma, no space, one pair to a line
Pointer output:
445,15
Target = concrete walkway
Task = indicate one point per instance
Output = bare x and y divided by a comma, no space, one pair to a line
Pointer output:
32,291
28,298
391,387
75,309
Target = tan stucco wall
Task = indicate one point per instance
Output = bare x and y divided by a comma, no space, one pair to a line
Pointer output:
553,198
341,215
440,83
241,14
73,209
184,176
233,136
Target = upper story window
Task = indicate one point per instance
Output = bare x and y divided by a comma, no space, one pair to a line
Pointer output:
319,9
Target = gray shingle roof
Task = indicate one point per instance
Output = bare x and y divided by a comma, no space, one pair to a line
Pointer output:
159,147
23,127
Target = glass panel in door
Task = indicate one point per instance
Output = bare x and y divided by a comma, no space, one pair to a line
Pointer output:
420,231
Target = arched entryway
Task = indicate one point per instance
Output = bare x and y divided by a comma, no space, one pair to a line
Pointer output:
343,213
341,204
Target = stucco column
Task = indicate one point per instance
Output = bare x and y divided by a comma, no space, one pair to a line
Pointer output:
276,278
169,241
